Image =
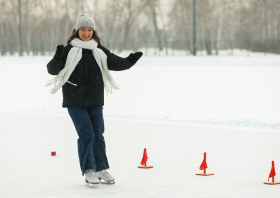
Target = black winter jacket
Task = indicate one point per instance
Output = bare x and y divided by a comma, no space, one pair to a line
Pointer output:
87,75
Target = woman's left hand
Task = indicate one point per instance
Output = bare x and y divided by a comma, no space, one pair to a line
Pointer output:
133,58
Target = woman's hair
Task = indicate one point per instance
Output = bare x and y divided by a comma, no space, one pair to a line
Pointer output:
76,35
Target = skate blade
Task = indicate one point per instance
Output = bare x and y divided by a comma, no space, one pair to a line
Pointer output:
91,184
106,182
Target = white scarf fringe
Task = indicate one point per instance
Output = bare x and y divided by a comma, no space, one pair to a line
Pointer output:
73,58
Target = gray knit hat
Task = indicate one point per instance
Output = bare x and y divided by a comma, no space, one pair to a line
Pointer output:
85,20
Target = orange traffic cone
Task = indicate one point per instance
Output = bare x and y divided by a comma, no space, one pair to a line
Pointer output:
272,174
203,167
144,160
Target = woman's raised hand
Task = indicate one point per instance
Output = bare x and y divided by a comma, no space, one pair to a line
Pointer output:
133,58
59,52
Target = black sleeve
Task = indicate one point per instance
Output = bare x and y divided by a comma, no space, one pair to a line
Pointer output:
115,62
56,65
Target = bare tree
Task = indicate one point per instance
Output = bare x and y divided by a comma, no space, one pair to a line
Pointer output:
205,14
131,13
132,24
154,5
219,25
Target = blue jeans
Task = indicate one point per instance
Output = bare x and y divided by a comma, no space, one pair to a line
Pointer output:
89,124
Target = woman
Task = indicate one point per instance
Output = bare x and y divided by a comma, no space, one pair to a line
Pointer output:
82,69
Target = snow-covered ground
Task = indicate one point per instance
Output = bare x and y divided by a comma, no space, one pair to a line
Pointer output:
225,91
176,107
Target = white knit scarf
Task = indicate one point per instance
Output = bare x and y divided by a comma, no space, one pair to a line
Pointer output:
74,56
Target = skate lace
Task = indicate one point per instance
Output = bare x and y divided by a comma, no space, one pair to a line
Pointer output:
105,173
92,173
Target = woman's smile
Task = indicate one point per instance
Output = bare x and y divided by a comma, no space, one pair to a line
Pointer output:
85,33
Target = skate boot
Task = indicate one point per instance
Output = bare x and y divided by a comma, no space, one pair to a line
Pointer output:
109,179
91,178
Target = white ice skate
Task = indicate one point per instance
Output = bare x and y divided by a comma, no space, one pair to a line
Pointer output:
109,179
91,178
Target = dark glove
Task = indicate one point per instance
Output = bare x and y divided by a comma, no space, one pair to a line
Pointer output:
133,58
59,52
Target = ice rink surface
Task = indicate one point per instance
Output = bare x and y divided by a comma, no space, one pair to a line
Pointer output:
239,158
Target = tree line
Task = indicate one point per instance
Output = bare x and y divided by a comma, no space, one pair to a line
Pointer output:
132,24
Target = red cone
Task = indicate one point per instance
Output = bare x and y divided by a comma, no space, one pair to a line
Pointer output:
272,172
203,164
145,157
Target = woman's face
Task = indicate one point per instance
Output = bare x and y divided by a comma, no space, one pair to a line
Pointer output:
85,33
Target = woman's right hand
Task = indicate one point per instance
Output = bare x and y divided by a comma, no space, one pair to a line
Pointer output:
59,52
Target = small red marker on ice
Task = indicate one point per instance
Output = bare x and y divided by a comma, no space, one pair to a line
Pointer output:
272,174
203,167
53,153
144,160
